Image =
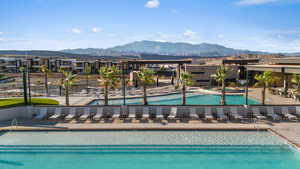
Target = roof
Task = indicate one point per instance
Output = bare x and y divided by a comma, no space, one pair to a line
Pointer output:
275,68
158,61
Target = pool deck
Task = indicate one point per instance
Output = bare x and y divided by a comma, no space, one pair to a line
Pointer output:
286,130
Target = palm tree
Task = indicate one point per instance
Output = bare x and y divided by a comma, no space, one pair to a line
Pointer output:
68,80
296,79
146,77
46,71
264,80
109,77
22,70
185,80
220,77
87,72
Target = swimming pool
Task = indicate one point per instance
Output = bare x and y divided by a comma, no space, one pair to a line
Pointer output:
192,99
146,150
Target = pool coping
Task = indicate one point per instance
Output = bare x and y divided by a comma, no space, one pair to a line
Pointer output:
292,143
263,129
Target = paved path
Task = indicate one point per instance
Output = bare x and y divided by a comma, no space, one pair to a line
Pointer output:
255,93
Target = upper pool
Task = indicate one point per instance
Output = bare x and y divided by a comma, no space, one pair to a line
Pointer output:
146,150
175,99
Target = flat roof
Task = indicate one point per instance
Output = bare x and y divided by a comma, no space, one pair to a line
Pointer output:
158,61
240,61
275,68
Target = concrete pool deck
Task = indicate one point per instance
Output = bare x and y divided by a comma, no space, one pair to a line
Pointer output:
289,131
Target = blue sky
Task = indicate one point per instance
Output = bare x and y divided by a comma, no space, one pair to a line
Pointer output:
265,25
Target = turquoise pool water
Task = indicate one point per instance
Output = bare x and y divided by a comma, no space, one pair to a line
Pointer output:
176,99
146,150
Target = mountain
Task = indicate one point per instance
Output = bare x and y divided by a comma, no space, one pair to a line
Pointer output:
179,49
45,53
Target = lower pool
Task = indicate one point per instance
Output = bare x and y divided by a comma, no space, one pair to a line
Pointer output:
175,99
146,150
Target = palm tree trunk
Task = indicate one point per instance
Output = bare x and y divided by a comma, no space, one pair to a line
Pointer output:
263,95
145,95
106,95
46,84
183,95
223,99
67,96
87,84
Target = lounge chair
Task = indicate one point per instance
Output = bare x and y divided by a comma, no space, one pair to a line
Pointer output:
99,114
57,114
117,113
159,113
132,113
221,115
285,113
72,114
297,113
173,113
145,113
86,114
208,114
42,114
193,113
256,113
234,113
270,113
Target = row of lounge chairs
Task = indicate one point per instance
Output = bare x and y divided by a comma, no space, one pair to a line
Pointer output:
174,113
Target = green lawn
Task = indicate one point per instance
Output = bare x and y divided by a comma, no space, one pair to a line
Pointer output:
20,102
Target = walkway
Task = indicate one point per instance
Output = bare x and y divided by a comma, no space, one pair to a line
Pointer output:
255,93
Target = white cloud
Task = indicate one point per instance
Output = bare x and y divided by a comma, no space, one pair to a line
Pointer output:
221,36
152,4
190,34
174,11
2,39
97,30
76,30
1,33
255,2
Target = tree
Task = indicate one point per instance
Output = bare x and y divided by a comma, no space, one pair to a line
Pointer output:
22,70
68,81
109,77
46,71
87,72
220,76
185,80
296,79
145,77
264,80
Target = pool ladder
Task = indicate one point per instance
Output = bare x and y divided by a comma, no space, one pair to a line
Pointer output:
14,123
256,124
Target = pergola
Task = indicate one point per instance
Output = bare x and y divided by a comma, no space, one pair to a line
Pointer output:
284,69
145,62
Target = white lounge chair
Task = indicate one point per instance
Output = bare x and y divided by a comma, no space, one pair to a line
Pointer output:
221,115
297,113
132,113
72,114
145,113
99,114
287,115
234,113
270,113
208,114
42,114
173,113
159,113
193,113
57,114
86,114
117,113
257,114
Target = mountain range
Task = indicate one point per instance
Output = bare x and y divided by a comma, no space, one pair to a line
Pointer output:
144,49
